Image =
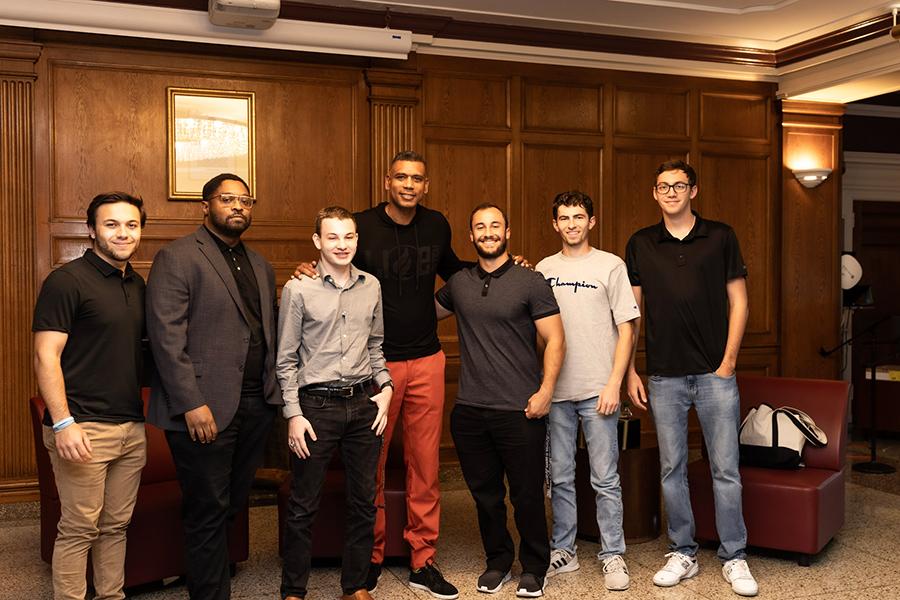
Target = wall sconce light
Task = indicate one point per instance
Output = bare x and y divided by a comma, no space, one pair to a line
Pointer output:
810,178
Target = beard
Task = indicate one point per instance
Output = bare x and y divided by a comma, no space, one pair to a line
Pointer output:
103,247
229,226
500,250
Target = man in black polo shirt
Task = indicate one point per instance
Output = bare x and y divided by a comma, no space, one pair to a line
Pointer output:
88,324
498,423
691,276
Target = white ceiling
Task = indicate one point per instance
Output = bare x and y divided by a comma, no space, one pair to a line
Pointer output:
764,24
863,69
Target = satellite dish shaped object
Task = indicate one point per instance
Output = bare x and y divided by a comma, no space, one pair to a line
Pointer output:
851,271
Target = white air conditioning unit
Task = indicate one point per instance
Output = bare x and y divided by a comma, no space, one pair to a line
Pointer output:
245,14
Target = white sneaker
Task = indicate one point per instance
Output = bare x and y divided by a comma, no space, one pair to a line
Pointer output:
737,573
615,574
680,566
561,561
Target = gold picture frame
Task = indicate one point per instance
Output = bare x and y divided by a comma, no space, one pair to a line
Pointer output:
209,132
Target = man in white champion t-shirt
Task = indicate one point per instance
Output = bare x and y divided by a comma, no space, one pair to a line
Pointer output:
598,312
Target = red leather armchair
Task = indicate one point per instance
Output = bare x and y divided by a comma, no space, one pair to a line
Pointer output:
793,510
155,547
328,527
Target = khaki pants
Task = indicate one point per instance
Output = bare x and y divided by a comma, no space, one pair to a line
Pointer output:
97,499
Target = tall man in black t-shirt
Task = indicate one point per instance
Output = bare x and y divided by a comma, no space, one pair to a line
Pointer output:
690,274
211,323
88,324
498,422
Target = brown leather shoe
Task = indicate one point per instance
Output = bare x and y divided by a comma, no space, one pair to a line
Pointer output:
361,594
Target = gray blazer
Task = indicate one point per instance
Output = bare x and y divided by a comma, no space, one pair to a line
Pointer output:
199,334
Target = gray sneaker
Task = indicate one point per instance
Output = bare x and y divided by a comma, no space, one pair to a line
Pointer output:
615,573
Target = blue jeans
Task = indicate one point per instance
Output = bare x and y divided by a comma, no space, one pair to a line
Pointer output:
601,436
718,408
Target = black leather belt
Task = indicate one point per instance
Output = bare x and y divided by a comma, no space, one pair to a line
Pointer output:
335,391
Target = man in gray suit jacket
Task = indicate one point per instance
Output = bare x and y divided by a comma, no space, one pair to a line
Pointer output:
211,323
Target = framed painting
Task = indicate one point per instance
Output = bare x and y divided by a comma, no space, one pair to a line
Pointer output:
209,132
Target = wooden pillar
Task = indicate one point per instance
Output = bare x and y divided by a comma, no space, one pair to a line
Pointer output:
811,240
395,121
17,284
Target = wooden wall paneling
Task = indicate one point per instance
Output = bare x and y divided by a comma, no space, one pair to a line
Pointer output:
733,117
659,112
17,297
463,175
810,306
547,171
309,125
562,107
735,188
396,122
466,100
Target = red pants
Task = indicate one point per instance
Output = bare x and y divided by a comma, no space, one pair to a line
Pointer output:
418,403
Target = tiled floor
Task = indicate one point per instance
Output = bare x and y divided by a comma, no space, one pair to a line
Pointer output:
861,562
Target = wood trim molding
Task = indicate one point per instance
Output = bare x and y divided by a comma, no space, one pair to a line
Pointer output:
835,40
395,119
17,242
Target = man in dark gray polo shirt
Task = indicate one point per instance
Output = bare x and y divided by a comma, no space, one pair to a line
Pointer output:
498,423
337,390
88,324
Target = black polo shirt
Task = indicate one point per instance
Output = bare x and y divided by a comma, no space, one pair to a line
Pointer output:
495,313
683,283
248,288
102,311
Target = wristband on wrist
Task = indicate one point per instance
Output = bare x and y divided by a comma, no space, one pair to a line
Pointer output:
62,424
389,384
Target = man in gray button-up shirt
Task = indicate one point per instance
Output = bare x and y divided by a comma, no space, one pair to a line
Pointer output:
329,363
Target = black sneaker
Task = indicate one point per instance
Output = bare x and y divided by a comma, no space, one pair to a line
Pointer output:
428,578
373,577
530,586
492,580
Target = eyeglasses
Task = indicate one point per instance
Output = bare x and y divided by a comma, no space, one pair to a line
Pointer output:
679,187
229,199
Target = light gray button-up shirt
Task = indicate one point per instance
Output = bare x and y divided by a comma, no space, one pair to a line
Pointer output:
329,334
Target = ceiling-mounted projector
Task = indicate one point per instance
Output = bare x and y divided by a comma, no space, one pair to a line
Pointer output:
246,14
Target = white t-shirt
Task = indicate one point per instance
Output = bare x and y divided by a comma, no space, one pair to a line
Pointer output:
594,296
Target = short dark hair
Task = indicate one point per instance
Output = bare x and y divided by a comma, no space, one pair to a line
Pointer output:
573,198
485,206
409,156
678,165
111,198
332,212
210,187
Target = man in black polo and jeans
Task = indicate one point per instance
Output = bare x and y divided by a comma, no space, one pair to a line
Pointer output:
498,422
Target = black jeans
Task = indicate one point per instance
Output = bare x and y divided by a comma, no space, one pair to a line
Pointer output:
493,443
215,483
344,423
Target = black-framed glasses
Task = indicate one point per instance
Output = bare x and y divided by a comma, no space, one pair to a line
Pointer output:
230,199
680,187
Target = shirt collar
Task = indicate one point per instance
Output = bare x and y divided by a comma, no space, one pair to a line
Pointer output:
104,267
498,272
698,230
355,275
238,249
